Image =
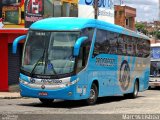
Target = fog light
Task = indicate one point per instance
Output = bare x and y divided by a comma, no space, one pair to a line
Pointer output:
69,93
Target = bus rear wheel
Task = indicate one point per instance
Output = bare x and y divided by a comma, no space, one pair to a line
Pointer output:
93,95
46,101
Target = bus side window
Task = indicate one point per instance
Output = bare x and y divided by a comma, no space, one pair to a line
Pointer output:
113,40
120,46
85,48
146,48
102,44
139,48
83,56
79,63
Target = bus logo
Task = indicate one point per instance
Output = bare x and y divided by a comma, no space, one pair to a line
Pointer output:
124,76
51,81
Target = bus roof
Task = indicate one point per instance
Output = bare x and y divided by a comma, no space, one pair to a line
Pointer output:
69,23
155,60
155,45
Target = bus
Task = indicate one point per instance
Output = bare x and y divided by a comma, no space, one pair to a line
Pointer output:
154,80
80,58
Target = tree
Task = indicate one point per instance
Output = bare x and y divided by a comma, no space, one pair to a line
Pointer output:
141,28
157,34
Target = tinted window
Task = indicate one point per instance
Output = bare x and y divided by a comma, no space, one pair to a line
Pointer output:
113,43
106,42
143,48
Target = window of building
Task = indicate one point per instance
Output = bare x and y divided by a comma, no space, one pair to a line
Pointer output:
127,22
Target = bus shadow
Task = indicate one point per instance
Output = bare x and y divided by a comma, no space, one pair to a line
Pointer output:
155,88
111,99
69,104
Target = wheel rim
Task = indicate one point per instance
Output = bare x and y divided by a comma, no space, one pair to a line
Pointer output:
92,95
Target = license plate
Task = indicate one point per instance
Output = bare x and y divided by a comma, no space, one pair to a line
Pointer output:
43,93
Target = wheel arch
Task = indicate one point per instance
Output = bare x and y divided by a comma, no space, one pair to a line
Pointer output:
96,82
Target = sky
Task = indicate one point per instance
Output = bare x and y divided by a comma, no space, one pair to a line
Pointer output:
147,10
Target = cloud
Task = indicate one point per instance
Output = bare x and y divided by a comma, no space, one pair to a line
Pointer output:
147,10
141,2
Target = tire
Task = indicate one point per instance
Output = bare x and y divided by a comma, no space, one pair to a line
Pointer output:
46,101
135,91
93,95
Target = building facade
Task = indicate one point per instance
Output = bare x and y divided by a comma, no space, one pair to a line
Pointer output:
125,16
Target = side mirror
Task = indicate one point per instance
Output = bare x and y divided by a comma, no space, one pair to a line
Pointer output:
15,43
78,45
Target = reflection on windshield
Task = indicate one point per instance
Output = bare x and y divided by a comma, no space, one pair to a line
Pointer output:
155,68
49,53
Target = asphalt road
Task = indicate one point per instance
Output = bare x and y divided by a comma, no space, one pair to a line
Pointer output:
108,108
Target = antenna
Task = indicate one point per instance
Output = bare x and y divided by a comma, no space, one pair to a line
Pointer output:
121,2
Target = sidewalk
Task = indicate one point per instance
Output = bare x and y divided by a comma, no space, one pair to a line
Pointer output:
12,94
9,95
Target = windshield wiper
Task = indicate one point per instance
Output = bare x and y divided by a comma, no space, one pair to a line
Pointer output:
48,61
41,58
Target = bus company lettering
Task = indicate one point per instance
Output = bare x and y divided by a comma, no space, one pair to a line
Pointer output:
50,81
101,3
105,61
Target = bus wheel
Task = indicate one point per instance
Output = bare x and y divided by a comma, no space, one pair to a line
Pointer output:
46,101
135,91
93,95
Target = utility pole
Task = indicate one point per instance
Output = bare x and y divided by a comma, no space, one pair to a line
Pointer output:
95,6
159,11
121,2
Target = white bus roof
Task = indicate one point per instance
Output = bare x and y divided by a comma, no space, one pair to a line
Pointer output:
155,45
155,60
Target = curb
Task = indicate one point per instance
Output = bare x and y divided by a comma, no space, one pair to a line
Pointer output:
8,95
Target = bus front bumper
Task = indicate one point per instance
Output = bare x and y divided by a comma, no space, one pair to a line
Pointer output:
62,93
154,84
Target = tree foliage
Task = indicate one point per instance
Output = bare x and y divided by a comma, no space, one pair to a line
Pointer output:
157,34
141,28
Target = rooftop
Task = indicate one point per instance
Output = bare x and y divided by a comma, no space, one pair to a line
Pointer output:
70,24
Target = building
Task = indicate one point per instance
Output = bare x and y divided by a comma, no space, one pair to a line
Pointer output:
125,16
9,63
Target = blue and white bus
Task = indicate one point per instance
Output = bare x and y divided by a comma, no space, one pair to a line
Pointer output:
77,58
154,80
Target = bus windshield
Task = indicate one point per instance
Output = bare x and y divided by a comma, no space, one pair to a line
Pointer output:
155,62
155,69
49,53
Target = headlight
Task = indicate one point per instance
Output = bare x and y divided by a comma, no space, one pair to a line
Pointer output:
23,82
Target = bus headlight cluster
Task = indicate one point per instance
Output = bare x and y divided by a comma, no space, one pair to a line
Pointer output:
73,82
23,82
